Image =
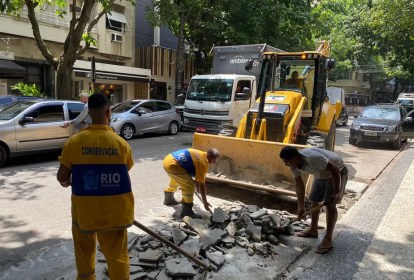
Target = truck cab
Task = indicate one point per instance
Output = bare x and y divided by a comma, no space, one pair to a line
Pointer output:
218,102
406,100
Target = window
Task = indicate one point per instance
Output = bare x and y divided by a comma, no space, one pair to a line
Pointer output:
148,107
47,113
75,109
117,21
163,106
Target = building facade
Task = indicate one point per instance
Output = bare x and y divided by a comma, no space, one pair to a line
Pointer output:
114,53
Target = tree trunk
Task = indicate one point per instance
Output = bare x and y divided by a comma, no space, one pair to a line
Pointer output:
180,52
64,81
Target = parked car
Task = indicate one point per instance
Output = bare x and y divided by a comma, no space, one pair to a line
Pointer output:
382,124
343,117
33,126
136,117
9,99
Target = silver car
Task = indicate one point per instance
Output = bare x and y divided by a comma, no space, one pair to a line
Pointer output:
31,126
136,117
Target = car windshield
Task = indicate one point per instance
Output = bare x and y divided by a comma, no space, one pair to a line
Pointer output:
124,106
381,113
15,109
210,90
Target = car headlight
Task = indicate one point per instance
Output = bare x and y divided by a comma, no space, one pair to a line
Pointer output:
115,120
392,128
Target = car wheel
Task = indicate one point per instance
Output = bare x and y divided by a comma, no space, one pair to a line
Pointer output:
3,155
397,143
127,131
173,128
352,141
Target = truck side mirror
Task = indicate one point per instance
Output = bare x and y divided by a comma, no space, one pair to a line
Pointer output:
25,120
249,65
408,119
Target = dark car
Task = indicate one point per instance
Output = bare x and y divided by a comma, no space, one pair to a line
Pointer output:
343,117
382,124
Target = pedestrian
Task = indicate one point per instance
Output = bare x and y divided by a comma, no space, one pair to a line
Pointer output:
83,119
331,175
95,162
181,166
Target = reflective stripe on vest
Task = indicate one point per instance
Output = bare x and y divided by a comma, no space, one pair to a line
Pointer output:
100,179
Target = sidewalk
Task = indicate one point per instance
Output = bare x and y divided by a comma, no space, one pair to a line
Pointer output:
375,238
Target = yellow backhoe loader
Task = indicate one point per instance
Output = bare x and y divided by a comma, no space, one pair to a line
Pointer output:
293,109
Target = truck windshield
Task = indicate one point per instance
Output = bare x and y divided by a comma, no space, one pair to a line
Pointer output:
294,74
210,90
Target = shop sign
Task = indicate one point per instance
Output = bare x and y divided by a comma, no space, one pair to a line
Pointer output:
104,76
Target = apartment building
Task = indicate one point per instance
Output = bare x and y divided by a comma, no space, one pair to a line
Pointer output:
116,74
156,49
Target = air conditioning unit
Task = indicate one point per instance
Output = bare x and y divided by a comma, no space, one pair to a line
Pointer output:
117,37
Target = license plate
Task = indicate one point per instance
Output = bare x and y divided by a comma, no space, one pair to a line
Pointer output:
370,133
201,129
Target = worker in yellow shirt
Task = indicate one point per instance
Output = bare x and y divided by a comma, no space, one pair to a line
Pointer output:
95,162
182,166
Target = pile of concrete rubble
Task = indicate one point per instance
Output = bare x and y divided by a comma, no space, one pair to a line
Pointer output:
256,230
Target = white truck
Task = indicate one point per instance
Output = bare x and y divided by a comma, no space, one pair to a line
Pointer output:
336,94
406,100
216,102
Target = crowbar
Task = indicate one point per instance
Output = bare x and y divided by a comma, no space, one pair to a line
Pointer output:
201,199
172,245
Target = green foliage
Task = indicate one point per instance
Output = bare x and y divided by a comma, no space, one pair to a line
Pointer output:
28,90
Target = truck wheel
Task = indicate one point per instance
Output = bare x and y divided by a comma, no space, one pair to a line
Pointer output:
127,132
173,128
352,141
3,155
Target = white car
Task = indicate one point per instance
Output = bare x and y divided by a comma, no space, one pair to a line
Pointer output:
136,117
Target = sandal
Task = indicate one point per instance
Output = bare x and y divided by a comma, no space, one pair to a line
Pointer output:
306,234
322,251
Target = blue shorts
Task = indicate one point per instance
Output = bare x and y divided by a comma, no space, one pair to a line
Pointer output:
322,189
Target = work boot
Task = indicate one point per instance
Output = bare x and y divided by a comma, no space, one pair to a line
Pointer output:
187,210
169,199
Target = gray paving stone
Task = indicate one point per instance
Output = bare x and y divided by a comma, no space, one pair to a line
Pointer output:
255,232
150,255
192,246
179,267
216,258
258,214
178,236
211,236
219,216
231,229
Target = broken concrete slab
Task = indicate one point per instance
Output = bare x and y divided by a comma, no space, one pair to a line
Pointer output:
178,236
176,267
219,216
356,187
211,237
216,258
150,256
258,214
255,232
192,246
231,229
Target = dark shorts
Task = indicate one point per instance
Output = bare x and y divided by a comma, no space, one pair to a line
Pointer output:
322,189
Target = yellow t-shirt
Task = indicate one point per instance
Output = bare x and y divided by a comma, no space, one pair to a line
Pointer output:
191,161
101,188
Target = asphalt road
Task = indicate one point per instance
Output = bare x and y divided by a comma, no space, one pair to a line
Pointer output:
35,210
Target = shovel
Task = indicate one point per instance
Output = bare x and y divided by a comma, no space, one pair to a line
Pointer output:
204,265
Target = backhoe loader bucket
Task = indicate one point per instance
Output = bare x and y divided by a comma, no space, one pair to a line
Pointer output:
248,163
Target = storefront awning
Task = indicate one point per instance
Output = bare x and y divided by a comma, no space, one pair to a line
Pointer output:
9,68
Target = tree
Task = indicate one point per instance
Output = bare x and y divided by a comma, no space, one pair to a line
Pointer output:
279,23
80,28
